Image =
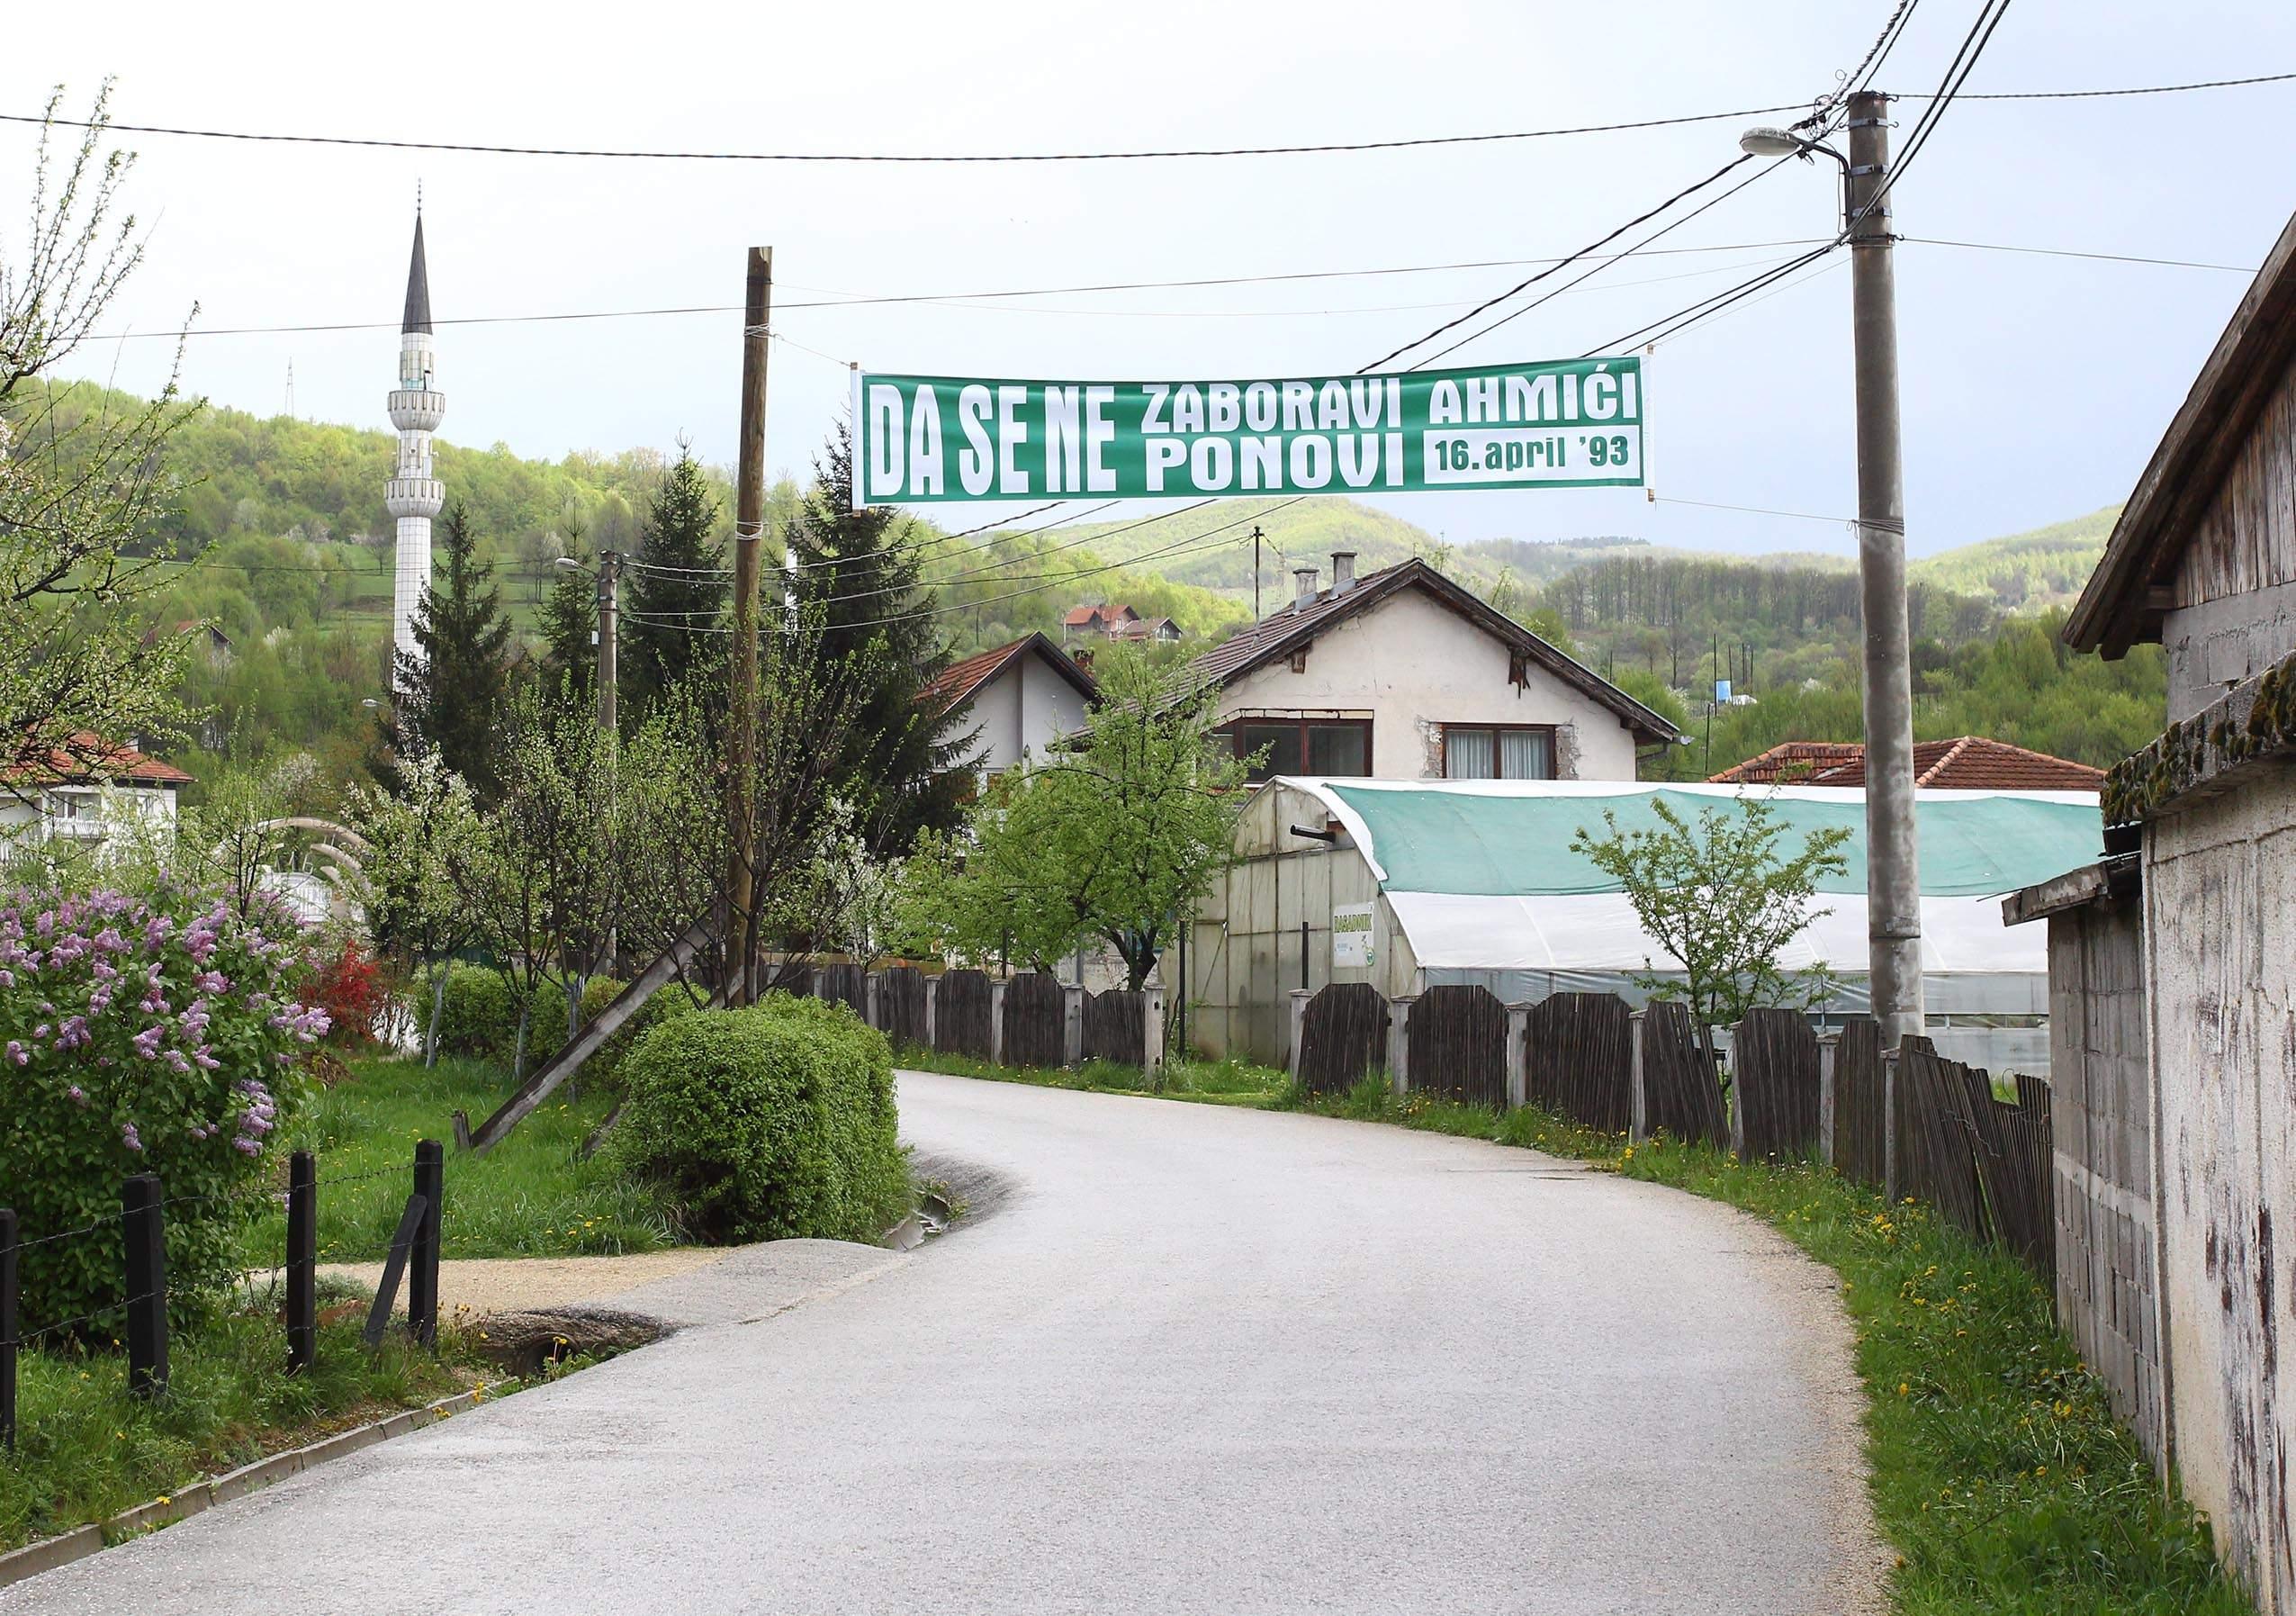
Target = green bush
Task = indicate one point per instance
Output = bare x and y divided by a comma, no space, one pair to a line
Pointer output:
767,1123
477,1019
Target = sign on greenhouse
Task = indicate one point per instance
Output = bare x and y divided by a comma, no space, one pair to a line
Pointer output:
1572,423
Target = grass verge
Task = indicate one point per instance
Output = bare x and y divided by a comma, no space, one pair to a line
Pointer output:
534,1195
1210,1082
1999,1476
86,1450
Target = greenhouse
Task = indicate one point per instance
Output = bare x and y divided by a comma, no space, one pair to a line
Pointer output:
1407,885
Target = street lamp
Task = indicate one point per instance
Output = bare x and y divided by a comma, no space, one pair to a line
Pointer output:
1893,883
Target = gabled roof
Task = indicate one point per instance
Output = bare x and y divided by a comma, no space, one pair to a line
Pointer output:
87,758
1296,625
957,683
1077,616
2118,608
1968,763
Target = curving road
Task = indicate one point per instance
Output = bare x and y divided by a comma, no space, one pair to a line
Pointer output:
1199,1361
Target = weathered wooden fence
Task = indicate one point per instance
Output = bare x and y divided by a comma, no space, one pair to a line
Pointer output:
1116,1027
1578,1057
1860,1117
1457,1044
901,1000
1036,1021
842,983
1343,1036
960,1015
1681,1090
1774,1084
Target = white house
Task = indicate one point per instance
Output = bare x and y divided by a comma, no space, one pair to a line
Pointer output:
1401,674
82,789
1018,698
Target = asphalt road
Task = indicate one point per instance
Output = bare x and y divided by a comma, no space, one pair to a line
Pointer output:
1199,1361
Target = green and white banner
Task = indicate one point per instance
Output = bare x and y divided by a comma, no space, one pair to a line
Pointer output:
1573,423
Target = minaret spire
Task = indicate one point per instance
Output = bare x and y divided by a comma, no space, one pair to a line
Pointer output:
413,495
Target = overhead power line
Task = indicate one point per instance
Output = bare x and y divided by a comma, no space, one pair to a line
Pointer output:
1399,144
2065,252
256,137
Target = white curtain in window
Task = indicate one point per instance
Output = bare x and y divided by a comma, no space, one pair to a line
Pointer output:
1467,754
1526,754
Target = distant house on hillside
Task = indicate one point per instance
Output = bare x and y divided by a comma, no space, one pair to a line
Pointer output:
1402,674
65,794
1015,699
1115,621
1969,763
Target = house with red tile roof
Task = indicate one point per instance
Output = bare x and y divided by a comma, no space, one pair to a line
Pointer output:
1969,762
1014,700
79,789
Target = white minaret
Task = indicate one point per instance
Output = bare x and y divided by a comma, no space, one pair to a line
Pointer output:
414,494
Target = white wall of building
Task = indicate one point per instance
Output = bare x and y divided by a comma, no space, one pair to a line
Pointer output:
1025,708
1411,665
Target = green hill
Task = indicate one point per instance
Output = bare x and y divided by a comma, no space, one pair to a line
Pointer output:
2025,572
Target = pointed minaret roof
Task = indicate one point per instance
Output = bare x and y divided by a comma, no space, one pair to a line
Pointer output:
418,286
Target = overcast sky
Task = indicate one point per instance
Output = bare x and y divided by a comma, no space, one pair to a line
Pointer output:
2034,387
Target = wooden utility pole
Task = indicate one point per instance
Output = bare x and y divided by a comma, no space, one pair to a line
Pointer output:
749,523
1255,572
610,578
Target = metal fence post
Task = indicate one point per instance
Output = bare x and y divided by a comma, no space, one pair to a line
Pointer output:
8,1300
1828,1047
422,1261
1518,1039
1638,1102
302,1261
147,1255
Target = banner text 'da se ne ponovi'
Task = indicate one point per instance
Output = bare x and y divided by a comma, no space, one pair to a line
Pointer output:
1566,424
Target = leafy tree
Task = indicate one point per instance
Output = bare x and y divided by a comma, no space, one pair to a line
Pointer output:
452,691
1110,841
414,913
1723,899
81,490
861,569
675,589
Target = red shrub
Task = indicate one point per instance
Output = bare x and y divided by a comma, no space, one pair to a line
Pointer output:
347,983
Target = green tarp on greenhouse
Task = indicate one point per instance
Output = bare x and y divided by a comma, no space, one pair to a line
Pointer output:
1499,843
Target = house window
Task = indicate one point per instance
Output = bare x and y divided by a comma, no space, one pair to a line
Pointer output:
1498,752
1312,746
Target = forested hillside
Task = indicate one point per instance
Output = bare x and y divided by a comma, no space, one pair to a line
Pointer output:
282,541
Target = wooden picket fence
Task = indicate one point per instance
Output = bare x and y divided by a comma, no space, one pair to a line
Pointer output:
1932,1129
1036,1021
960,1015
1116,1027
1343,1037
901,1005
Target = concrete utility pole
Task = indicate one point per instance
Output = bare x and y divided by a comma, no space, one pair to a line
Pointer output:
1893,885
610,578
749,522
1255,572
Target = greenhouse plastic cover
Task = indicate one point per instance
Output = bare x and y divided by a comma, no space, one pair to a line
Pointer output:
1481,875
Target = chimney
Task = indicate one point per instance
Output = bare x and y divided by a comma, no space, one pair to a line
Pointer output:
1305,577
1343,571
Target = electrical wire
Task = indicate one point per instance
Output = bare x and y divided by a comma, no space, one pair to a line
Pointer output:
1605,241
857,300
2150,89
2060,252
943,158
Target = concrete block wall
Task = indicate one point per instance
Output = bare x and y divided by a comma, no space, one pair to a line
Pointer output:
2101,1105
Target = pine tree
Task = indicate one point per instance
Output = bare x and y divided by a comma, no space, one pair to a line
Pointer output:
676,592
861,569
451,693
570,633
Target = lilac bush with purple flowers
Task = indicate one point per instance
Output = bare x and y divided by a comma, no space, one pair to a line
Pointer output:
148,1032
